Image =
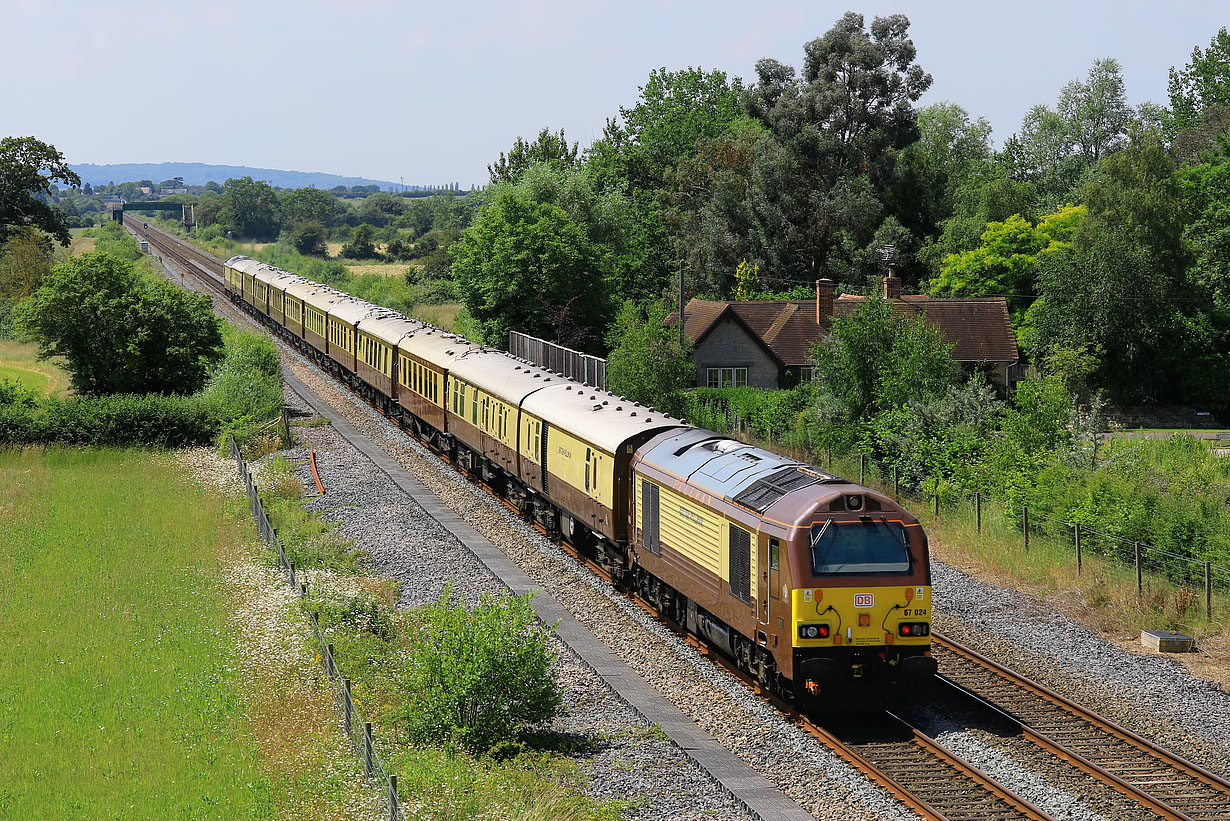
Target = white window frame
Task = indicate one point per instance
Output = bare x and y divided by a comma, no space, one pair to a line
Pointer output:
726,377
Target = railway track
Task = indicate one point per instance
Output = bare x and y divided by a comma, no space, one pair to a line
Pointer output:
1157,779
929,779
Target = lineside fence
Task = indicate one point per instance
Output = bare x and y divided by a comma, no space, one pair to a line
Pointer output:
358,731
1033,526
577,366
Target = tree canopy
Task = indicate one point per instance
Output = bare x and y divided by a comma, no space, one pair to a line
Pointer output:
27,169
119,331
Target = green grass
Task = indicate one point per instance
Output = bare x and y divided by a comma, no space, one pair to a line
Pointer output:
19,361
30,380
116,694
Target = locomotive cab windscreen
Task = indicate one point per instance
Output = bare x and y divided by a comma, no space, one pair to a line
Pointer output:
865,545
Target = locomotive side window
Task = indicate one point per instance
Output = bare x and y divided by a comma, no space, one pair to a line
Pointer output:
865,546
650,538
741,564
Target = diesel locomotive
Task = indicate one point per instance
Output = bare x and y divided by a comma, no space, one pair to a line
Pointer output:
817,587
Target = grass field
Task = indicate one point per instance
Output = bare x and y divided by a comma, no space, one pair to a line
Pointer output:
442,316
18,361
122,692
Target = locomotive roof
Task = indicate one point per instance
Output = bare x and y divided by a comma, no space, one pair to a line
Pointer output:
501,375
597,416
391,328
438,347
728,469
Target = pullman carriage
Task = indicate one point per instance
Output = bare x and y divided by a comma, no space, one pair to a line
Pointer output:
293,309
317,303
378,338
277,282
341,324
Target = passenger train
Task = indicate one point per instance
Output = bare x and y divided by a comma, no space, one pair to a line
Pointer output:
817,587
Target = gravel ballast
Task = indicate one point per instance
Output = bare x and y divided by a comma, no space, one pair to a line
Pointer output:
1150,695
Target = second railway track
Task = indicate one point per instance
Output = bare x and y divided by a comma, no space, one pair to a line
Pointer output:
934,782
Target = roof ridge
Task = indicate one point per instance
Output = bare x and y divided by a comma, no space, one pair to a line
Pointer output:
780,322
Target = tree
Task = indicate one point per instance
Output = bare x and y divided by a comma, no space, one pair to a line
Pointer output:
878,359
25,260
308,238
647,363
952,147
822,177
362,245
525,265
27,168
1203,84
250,208
120,332
1206,194
549,148
1006,262
309,205
1096,112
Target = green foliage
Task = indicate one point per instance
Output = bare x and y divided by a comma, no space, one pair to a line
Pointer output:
244,392
250,208
527,265
769,413
646,362
825,171
547,148
309,239
1206,195
27,169
305,206
877,359
121,332
25,260
362,245
478,675
1201,85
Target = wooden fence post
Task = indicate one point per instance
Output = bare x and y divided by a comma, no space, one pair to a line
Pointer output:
1139,578
1077,530
1208,590
367,747
937,502
896,484
978,510
329,668
1025,525
862,469
346,703
393,800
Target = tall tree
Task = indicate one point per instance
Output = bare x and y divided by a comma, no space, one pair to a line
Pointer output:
647,363
250,208
1096,111
836,128
547,147
525,265
1201,85
309,205
27,169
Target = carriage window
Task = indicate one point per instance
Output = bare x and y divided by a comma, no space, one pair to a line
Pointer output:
775,550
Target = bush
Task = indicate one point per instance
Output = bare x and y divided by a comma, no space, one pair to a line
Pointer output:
478,676
776,412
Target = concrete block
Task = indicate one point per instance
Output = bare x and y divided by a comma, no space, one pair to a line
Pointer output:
1167,641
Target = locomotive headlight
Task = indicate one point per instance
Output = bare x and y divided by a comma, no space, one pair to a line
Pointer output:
813,631
914,629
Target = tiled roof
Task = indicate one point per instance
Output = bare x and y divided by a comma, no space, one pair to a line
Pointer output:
979,327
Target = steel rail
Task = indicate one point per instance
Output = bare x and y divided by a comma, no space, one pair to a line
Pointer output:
1000,802
1187,792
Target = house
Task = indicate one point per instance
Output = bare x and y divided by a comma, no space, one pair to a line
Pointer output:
767,343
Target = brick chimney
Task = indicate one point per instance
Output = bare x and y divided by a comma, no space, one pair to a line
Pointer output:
824,302
892,285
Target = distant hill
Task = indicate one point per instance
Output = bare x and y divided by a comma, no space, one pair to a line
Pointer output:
195,173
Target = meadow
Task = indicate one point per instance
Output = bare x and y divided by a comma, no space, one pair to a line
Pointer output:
123,692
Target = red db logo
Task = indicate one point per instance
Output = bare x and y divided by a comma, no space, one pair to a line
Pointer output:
864,599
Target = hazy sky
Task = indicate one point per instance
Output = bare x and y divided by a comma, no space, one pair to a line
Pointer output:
433,92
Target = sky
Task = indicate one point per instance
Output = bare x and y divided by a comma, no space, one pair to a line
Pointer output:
430,93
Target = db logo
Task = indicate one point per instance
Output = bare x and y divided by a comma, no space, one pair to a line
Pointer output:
864,599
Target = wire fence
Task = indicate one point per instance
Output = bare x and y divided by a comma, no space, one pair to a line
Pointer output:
358,731
1031,525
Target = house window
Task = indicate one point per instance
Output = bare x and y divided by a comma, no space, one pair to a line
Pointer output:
726,377
807,373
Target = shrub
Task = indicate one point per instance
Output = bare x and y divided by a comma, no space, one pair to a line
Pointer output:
478,676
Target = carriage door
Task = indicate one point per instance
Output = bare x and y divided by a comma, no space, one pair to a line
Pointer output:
762,579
